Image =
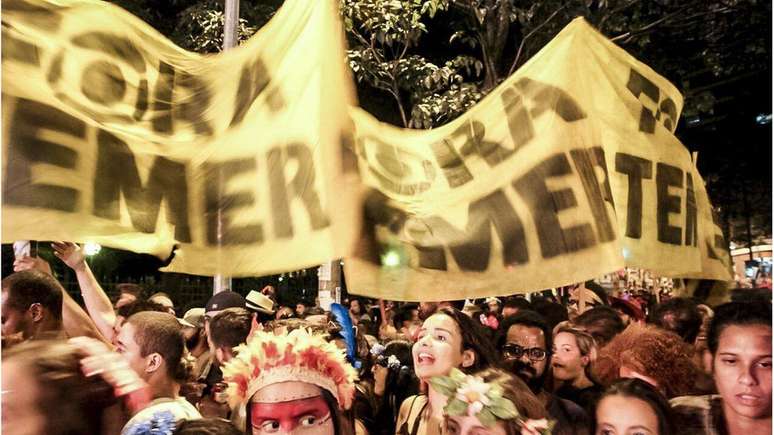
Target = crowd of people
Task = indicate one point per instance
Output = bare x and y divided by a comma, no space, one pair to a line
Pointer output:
591,364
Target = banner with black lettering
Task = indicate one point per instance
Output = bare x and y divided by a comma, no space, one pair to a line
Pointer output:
113,134
568,170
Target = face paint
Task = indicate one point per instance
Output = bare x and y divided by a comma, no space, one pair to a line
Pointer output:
310,416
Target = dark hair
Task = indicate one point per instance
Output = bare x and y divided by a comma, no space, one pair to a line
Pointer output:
206,426
130,289
70,402
737,313
679,315
515,390
606,319
552,312
230,327
517,302
34,287
639,389
138,306
525,318
401,382
473,338
161,333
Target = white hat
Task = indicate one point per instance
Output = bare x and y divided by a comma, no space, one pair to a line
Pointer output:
257,301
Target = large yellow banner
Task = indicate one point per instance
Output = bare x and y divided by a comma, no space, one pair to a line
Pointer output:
568,170
113,134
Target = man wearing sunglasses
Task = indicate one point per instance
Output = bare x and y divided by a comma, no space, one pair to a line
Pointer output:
524,343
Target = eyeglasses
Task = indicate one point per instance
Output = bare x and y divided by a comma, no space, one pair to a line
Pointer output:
515,351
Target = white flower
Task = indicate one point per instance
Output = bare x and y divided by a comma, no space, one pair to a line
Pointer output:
473,392
393,362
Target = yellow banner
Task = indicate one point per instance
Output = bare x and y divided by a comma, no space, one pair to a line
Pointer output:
566,171
113,134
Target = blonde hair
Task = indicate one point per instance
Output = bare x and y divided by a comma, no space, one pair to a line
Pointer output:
586,345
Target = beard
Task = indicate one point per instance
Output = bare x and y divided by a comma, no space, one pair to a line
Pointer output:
192,342
528,374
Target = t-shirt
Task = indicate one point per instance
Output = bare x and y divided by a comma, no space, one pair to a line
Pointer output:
160,417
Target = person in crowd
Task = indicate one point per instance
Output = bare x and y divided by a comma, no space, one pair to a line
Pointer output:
228,329
127,292
573,355
628,310
739,341
657,356
524,342
488,402
152,344
603,323
97,302
284,312
394,381
633,406
356,310
301,310
591,294
679,315
270,292
448,339
196,339
514,304
552,312
701,352
47,391
206,426
292,383
32,306
164,300
261,305
211,373
494,305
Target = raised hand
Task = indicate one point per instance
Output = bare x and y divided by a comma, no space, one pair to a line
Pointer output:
32,263
70,253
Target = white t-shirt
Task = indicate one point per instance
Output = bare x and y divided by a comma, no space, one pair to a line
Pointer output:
160,416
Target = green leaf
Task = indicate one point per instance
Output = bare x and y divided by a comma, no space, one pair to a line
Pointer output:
503,409
456,407
486,418
444,385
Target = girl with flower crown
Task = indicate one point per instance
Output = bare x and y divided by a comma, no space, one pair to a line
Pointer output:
489,402
296,384
447,340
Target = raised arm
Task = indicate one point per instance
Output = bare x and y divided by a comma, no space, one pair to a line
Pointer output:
97,302
75,321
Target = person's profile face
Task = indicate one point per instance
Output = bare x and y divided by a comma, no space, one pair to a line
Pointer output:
623,415
14,321
742,371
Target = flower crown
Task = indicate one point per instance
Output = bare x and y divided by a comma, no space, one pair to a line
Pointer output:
268,359
469,395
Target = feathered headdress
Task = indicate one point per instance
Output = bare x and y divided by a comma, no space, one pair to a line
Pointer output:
268,359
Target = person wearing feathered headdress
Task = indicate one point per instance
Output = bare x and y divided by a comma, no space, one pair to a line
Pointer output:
298,383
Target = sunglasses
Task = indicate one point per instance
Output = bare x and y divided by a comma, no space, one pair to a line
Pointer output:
514,351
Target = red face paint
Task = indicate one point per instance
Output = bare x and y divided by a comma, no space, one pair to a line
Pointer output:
302,415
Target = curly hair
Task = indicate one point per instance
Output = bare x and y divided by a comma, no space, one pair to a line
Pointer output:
654,352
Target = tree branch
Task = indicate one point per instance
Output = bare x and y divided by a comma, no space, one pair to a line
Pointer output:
629,35
523,40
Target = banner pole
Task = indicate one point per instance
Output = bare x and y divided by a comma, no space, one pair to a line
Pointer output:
230,40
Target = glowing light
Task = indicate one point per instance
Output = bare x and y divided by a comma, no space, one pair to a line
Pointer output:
390,259
91,248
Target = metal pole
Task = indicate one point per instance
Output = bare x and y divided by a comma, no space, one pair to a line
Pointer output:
230,40
230,35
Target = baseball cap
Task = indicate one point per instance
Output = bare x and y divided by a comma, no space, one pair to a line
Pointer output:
222,300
